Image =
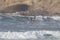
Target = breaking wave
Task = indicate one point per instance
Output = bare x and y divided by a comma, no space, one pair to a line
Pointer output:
14,25
46,35
29,17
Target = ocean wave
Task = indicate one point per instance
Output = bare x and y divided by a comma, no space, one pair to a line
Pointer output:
29,17
30,34
6,22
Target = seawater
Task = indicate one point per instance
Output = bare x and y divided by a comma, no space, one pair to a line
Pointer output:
28,28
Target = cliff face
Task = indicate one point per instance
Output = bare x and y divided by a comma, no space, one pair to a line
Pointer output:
50,6
7,3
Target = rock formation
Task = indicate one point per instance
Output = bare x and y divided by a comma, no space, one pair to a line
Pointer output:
35,7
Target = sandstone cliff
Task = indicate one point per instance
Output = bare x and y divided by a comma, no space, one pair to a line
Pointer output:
50,7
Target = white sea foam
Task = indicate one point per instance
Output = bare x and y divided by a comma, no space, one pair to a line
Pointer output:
29,34
40,17
52,17
56,17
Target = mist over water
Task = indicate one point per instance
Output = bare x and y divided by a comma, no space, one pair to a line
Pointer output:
29,28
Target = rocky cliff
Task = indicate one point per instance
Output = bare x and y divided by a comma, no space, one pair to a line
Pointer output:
36,7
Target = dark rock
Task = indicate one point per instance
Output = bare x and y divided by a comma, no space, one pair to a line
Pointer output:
47,35
15,8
